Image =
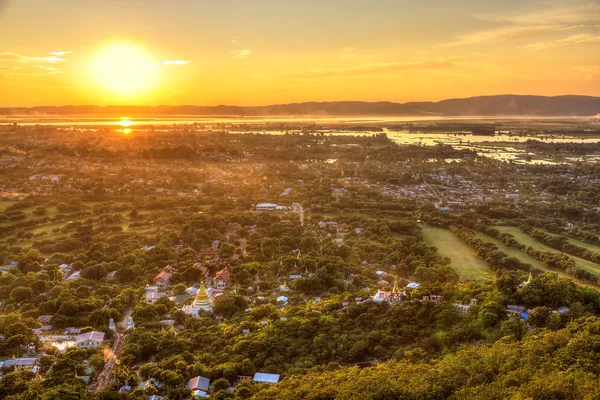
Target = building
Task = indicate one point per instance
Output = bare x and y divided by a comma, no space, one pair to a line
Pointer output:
208,255
203,269
152,294
199,386
394,296
202,302
221,279
262,377
90,340
162,279
266,207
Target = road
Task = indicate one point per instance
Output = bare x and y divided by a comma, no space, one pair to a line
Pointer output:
103,381
123,323
297,207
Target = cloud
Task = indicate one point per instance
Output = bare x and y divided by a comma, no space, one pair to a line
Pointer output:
549,12
60,53
379,69
502,34
14,57
591,71
540,18
175,62
244,53
19,65
567,41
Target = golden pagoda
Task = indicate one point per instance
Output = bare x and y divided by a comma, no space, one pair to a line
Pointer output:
395,290
202,297
201,302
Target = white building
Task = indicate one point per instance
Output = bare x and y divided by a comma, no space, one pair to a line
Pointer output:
90,340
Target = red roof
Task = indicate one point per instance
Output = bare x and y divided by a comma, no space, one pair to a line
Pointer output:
162,277
222,275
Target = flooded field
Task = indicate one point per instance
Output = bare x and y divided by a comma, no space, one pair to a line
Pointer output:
506,144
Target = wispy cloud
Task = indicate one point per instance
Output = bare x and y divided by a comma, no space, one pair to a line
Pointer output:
60,53
501,34
534,19
443,65
243,53
567,41
176,62
549,12
30,59
18,65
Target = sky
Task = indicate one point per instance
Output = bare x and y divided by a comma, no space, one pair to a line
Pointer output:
259,52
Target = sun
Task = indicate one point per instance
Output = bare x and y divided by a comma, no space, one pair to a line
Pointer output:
125,122
124,68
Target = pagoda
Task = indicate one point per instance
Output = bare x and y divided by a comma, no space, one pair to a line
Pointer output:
201,302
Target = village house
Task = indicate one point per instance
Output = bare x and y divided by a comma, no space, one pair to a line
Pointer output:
199,386
90,340
163,278
203,269
221,279
261,377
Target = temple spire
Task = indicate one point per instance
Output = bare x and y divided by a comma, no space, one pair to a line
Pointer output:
202,295
395,290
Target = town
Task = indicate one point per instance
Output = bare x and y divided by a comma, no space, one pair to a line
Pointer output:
194,261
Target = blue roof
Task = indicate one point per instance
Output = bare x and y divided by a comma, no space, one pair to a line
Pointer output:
524,315
267,378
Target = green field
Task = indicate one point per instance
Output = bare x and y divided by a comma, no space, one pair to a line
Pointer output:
464,259
526,258
527,240
591,247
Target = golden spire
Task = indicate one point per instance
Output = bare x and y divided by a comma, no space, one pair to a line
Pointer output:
530,278
202,295
395,290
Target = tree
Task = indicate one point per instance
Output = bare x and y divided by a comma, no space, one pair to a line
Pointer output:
226,250
514,327
21,293
179,289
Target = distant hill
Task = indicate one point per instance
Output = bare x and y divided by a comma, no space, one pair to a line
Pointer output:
502,105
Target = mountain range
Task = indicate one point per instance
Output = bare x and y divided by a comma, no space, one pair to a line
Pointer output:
500,105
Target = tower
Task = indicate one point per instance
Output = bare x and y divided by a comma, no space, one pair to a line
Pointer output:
395,290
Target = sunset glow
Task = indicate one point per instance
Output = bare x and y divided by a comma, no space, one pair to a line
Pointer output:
125,69
269,52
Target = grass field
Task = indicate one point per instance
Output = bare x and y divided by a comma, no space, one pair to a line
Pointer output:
526,258
527,240
464,259
591,247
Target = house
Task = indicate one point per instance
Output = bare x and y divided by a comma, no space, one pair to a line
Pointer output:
221,278
74,276
125,389
44,319
208,255
282,299
16,363
517,310
199,383
205,271
262,377
90,340
152,294
265,207
162,279
413,285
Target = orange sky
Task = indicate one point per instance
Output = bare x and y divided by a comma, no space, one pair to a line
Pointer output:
210,52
